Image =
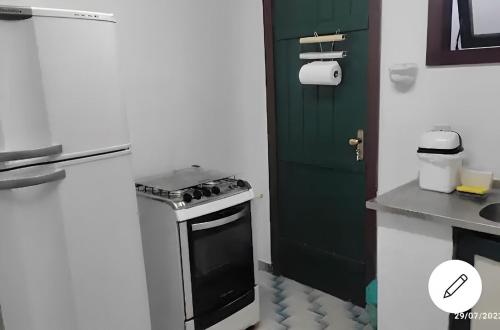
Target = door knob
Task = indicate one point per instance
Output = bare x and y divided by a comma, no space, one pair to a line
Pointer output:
357,144
354,142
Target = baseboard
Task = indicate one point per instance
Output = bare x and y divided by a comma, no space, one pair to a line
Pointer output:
264,266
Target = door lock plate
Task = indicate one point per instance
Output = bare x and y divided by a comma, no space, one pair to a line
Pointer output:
358,145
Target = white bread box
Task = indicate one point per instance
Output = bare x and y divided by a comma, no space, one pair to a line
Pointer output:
440,154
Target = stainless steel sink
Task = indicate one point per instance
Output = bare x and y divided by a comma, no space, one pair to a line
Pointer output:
491,212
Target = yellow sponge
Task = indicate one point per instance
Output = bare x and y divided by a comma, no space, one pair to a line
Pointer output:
473,190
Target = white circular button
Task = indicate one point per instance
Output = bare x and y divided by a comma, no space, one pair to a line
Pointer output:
455,286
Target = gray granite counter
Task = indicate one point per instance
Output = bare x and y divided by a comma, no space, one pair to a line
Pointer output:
451,209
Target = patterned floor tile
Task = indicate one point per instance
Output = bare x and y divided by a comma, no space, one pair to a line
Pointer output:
289,305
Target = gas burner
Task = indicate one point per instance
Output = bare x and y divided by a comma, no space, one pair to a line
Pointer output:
210,188
192,186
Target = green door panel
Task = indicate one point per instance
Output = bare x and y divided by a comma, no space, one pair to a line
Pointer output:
345,15
321,186
290,99
301,18
323,208
315,122
327,272
294,18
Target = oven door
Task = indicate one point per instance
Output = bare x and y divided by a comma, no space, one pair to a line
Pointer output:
221,264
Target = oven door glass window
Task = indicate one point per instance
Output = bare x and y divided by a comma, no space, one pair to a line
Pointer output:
221,258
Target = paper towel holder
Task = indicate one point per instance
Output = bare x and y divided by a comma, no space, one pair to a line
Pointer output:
324,38
331,55
323,55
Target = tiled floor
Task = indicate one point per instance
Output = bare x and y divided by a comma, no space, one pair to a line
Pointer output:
288,305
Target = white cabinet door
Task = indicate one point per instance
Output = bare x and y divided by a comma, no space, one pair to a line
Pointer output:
59,85
483,252
489,303
71,252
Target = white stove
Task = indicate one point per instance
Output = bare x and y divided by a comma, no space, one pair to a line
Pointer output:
197,237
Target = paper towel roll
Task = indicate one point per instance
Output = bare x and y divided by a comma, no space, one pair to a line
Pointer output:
321,73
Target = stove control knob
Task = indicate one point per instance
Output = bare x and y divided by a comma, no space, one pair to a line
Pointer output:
241,184
215,190
206,192
197,194
187,198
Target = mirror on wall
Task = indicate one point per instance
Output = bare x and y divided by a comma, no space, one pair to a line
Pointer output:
475,24
463,32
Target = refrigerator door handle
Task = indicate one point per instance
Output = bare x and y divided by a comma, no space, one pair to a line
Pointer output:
7,156
11,13
32,180
15,14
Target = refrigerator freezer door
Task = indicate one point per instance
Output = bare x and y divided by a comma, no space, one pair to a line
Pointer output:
35,279
59,85
70,249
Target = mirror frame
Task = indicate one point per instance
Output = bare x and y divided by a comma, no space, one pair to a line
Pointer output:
467,36
439,35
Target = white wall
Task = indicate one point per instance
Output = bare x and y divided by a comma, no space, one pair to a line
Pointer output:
466,97
404,267
193,77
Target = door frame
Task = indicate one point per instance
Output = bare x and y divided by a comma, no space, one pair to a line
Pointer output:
372,131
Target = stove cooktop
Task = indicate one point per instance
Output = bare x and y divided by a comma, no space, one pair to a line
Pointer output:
192,186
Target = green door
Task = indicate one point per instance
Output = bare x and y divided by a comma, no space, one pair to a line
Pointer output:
321,186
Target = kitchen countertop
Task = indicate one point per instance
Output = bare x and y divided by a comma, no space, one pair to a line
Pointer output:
451,209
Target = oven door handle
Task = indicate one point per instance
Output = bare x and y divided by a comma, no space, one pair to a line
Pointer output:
219,222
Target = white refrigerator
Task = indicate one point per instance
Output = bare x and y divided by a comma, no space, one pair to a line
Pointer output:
70,247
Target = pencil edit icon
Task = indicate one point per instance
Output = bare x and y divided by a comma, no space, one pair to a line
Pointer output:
455,286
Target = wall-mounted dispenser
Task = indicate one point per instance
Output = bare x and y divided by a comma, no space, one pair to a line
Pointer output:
321,71
403,73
